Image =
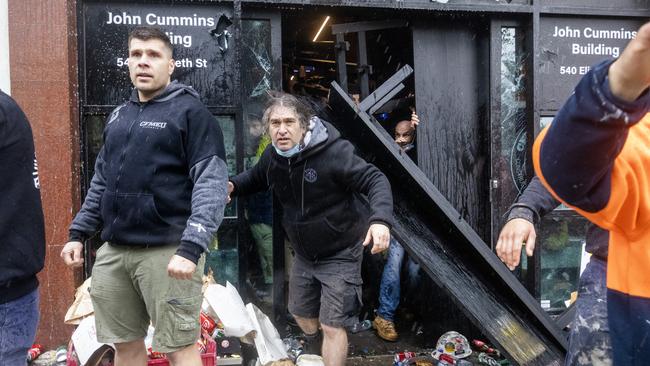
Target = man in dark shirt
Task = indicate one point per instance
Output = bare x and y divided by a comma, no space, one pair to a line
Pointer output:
158,193
319,181
22,234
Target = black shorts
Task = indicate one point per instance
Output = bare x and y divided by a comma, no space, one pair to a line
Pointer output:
328,289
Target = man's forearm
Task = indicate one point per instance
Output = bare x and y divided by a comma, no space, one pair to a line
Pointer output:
210,178
535,202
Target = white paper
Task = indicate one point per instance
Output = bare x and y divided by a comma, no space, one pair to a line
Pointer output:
84,339
229,307
268,343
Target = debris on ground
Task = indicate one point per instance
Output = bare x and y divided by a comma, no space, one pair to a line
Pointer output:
361,326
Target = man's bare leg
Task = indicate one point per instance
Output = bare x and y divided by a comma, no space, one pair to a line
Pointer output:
131,353
188,356
307,325
335,345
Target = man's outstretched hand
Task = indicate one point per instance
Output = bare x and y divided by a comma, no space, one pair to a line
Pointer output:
379,236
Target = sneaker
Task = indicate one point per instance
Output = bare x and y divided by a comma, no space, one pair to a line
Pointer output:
385,329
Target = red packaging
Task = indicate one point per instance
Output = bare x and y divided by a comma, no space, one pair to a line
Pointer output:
404,356
155,355
482,346
209,358
207,323
34,352
447,358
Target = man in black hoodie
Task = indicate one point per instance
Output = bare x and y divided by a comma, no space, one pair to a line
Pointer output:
318,180
159,191
589,341
22,234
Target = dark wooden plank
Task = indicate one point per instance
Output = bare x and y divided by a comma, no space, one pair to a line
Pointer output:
453,138
363,69
450,252
385,99
341,68
566,317
385,88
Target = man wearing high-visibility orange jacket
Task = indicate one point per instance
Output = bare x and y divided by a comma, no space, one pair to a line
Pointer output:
595,157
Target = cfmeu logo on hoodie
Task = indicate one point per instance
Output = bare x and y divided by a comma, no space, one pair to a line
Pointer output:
154,125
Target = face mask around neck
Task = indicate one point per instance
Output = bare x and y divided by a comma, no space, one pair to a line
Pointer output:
289,153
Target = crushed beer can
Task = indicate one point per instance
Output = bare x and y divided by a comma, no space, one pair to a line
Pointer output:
34,352
484,347
401,357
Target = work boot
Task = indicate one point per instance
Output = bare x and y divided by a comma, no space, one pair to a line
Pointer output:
385,329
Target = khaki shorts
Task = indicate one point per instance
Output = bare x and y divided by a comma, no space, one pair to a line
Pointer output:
130,288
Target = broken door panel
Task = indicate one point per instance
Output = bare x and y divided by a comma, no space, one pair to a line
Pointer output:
450,251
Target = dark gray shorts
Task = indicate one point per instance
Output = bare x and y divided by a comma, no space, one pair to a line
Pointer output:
328,289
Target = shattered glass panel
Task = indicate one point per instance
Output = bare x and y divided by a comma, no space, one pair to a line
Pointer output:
258,75
514,144
510,131
257,63
227,124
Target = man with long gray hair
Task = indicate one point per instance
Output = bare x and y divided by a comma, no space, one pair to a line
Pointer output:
319,182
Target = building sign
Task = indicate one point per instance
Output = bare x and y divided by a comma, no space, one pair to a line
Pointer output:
570,47
201,36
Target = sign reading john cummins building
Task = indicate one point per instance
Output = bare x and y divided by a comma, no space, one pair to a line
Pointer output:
570,46
201,35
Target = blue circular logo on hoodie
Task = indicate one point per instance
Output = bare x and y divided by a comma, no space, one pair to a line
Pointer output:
310,175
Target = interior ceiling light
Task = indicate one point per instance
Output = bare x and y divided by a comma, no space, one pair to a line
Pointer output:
327,19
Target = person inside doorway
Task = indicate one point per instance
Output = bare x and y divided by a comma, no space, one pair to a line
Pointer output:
259,206
319,181
390,286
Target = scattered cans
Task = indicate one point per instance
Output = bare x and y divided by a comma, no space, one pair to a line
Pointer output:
401,358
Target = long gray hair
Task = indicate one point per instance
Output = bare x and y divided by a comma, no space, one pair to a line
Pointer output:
281,99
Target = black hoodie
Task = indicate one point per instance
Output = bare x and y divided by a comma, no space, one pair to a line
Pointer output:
320,190
22,231
160,177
